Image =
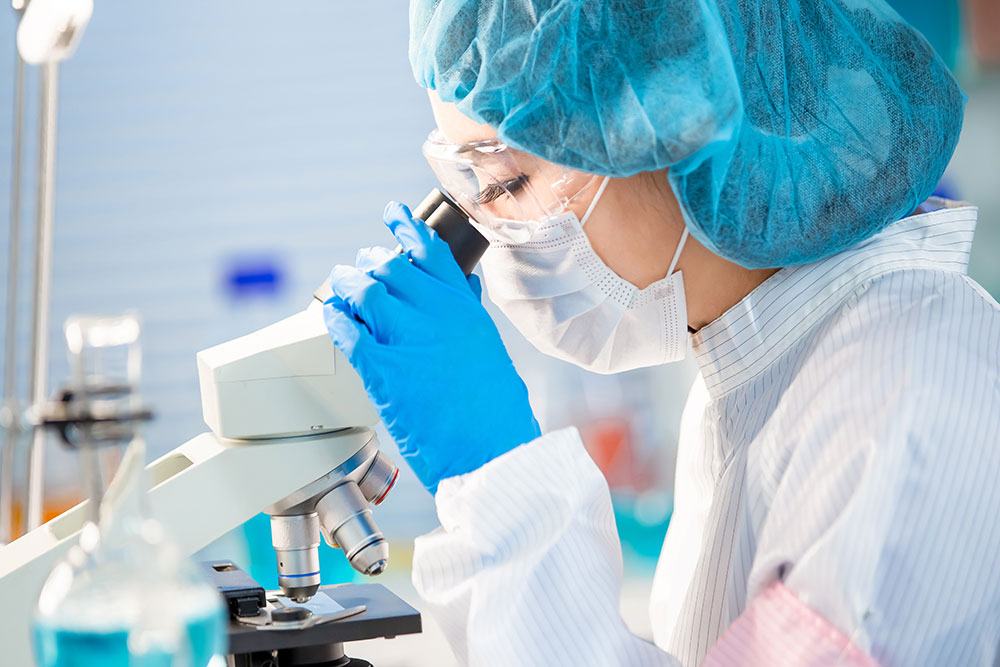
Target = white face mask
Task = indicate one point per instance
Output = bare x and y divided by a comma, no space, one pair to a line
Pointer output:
570,305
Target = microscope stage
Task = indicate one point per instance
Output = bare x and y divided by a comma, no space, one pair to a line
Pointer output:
385,615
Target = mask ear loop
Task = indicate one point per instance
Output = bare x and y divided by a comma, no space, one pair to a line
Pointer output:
677,256
677,253
593,202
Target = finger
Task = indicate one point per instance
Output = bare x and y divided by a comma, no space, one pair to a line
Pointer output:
347,333
426,249
370,258
477,286
368,300
402,279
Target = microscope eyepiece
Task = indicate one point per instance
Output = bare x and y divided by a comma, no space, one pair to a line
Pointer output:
452,224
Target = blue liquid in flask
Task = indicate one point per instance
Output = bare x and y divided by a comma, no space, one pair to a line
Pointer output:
58,645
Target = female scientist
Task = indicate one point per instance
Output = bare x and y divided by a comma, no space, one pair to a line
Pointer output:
752,177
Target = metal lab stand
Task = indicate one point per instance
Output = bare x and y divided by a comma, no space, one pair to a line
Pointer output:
48,33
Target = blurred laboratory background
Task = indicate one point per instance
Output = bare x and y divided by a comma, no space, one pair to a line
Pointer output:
215,160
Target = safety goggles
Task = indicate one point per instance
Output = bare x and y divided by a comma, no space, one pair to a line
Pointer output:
505,190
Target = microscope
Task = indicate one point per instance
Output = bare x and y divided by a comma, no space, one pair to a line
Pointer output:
291,435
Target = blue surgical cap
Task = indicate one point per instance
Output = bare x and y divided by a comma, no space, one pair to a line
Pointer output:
792,129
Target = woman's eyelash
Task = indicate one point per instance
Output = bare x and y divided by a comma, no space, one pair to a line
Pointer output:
494,191
490,193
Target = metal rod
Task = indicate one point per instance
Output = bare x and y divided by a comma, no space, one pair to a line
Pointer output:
94,479
12,416
45,189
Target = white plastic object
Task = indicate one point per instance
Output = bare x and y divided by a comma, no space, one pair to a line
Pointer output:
285,380
51,29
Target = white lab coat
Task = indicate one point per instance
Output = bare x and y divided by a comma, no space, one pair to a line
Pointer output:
843,438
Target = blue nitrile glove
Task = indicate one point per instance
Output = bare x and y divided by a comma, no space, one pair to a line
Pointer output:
430,357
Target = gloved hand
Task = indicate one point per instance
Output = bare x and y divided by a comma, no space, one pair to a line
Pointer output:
430,357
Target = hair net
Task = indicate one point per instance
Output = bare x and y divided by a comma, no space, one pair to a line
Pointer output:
792,128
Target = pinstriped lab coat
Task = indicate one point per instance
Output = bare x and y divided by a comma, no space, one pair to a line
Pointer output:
843,440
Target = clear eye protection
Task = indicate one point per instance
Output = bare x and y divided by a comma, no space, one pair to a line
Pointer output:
503,189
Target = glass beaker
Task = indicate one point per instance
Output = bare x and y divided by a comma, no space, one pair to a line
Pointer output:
125,596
